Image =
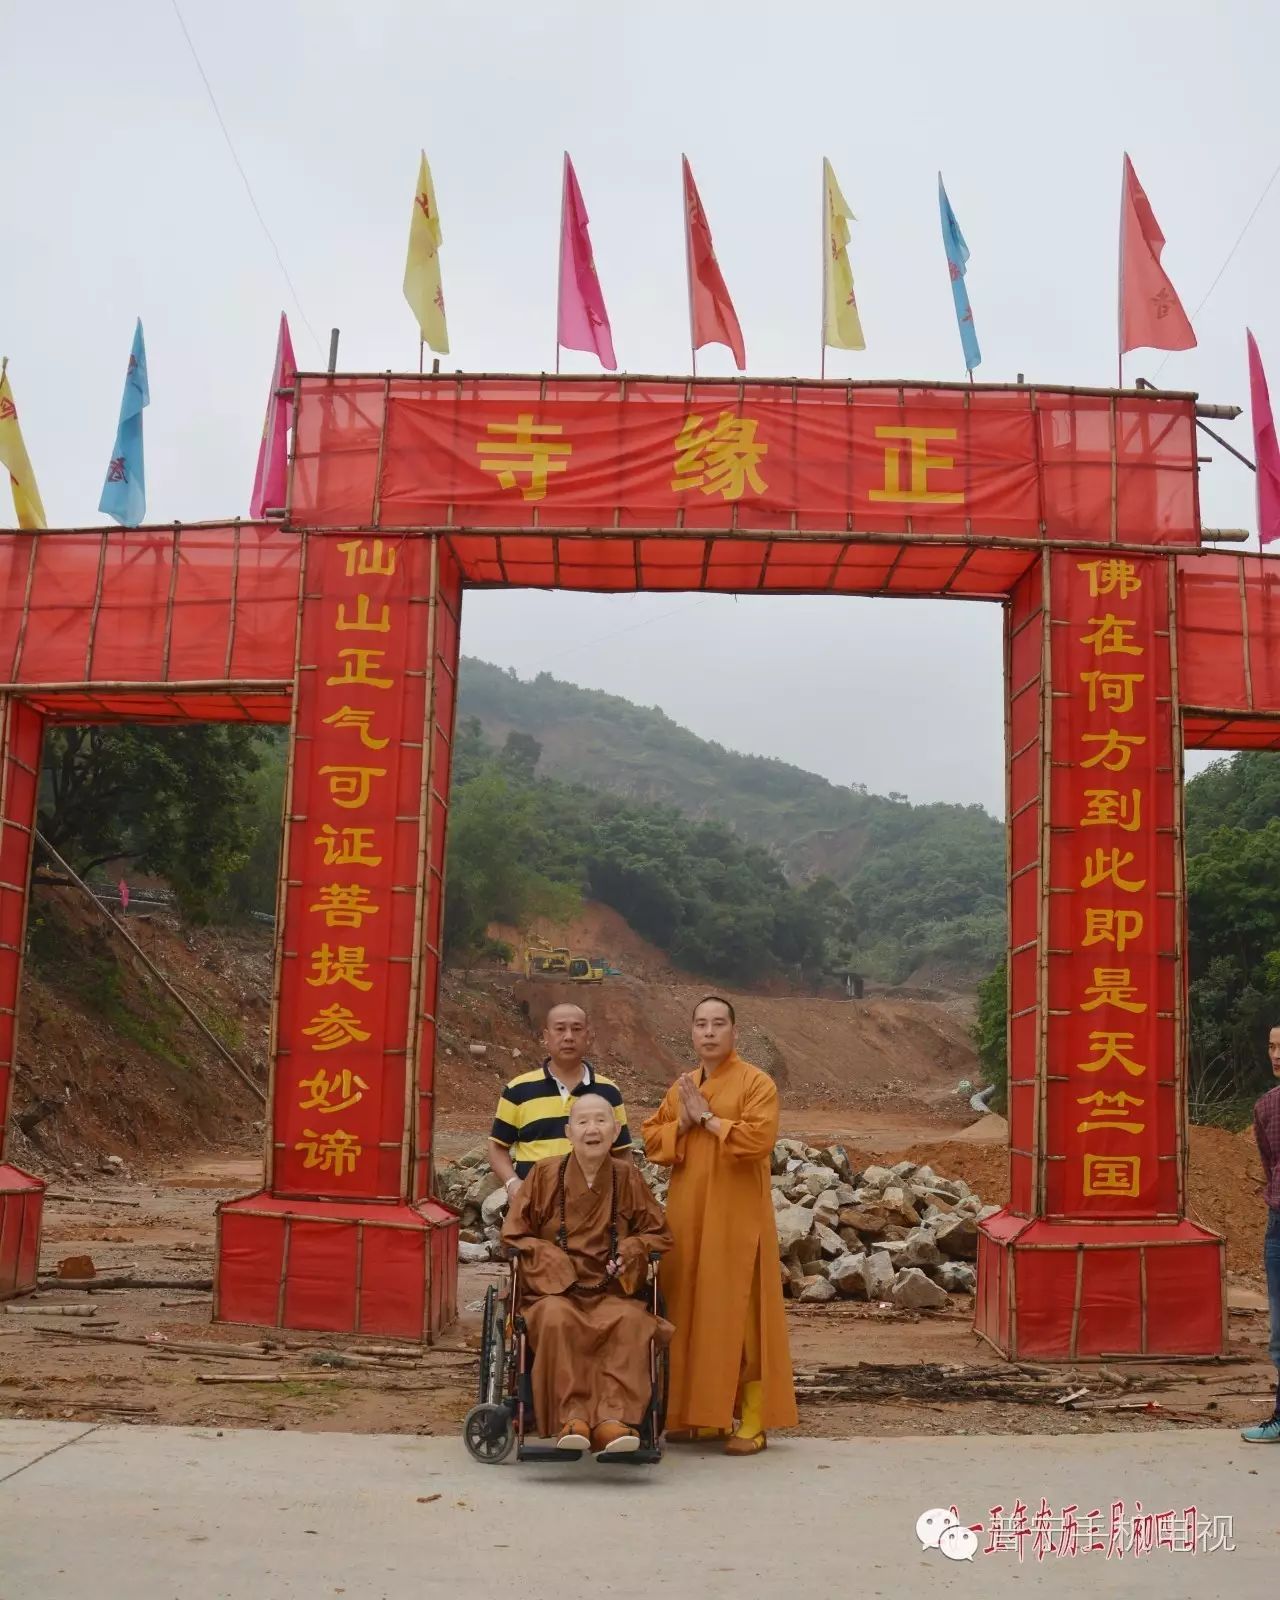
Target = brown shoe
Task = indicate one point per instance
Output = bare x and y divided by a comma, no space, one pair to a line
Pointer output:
574,1436
613,1439
738,1445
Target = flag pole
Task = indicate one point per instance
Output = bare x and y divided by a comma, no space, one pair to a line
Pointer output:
1120,279
688,262
420,345
822,347
564,192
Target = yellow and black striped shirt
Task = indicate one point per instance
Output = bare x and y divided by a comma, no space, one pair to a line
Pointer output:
534,1109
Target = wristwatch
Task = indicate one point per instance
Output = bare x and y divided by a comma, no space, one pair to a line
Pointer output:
707,1116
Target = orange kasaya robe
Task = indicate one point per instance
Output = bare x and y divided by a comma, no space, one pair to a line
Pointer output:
721,1280
590,1344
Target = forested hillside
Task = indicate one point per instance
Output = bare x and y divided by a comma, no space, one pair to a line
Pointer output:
924,884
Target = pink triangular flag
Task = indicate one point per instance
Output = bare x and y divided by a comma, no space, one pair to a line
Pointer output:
1266,448
583,322
124,894
270,482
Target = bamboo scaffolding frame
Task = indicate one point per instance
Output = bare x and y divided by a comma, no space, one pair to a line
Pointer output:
461,381
9,1067
1040,1120
414,1030
1181,1018
282,880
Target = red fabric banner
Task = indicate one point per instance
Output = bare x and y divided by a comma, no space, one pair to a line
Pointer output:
652,454
354,883
1113,948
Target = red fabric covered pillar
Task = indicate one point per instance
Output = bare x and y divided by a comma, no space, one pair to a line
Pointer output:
344,1235
21,1195
1094,1255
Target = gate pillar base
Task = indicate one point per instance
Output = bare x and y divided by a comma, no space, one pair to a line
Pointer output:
1066,1291
334,1267
21,1217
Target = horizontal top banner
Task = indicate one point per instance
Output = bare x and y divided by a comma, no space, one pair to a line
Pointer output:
675,455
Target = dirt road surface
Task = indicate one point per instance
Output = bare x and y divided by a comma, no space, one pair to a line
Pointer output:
51,1367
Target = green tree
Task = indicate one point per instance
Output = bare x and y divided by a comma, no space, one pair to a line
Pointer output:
488,876
990,1036
175,801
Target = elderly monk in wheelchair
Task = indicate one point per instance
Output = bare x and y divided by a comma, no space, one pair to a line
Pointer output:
584,1227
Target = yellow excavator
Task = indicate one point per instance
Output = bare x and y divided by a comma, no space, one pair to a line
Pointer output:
544,960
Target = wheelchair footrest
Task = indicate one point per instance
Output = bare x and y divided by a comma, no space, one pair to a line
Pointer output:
644,1457
548,1453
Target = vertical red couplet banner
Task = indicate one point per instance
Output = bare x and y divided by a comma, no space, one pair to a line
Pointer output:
1111,1071
351,899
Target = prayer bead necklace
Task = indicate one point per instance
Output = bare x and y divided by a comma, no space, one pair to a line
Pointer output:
562,1232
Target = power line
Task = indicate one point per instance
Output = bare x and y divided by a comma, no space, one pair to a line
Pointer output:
644,622
244,176
1230,255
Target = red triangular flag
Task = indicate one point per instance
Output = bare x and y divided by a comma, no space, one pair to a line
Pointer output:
1266,448
712,319
123,887
1151,315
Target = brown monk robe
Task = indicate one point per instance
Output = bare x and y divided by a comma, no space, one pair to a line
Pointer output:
584,1226
729,1358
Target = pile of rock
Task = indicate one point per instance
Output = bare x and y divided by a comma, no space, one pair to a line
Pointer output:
900,1235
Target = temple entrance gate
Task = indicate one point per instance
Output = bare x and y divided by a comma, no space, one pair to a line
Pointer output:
1076,510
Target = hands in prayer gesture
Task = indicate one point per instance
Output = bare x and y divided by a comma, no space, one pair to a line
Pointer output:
693,1103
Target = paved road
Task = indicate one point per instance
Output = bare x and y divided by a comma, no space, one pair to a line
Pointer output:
124,1513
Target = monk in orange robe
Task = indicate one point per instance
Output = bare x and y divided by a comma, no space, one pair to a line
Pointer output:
584,1226
721,1281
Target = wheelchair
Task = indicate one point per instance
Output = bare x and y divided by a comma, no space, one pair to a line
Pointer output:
502,1419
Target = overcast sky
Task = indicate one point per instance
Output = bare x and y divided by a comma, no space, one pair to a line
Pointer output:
119,199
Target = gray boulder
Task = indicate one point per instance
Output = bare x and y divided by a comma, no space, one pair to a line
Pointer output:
876,1177
920,1249
912,1291
494,1208
956,1277
849,1275
831,1243
957,1237
473,1252
898,1208
817,1289
793,1224
879,1275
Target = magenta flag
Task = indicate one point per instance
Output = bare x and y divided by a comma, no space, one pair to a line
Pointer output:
270,482
583,322
1266,448
124,894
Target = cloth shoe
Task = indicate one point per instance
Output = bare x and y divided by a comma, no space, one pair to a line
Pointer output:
613,1439
575,1436
749,1439
1267,1432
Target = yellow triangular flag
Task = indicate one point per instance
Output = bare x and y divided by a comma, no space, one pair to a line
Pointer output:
841,325
14,458
422,287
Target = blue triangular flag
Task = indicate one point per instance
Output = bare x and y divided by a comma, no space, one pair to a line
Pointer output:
124,494
957,260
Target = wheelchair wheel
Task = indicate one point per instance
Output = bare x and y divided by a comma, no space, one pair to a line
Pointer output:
661,1389
493,1353
489,1434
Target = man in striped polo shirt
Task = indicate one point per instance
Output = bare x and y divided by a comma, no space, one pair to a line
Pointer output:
529,1123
